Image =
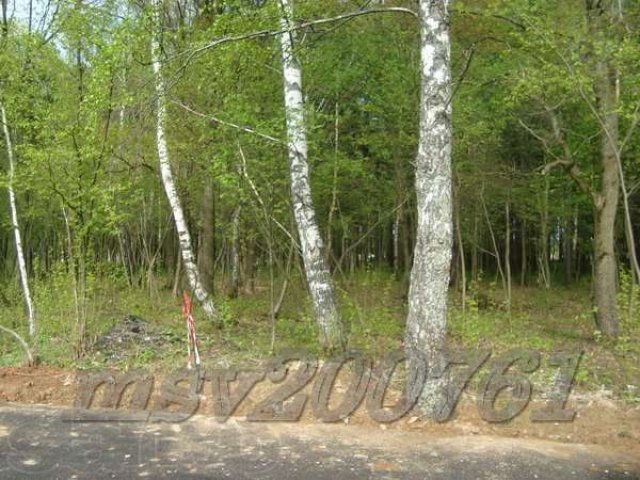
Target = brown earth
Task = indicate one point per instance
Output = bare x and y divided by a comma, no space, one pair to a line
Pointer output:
600,419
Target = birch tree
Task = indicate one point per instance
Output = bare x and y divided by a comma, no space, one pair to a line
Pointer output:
316,269
427,314
184,236
22,267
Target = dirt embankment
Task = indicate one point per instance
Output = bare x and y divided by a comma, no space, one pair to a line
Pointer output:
600,419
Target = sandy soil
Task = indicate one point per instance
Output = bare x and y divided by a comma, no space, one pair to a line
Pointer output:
600,419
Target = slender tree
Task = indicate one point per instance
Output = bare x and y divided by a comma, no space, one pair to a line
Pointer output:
207,240
426,319
22,267
316,269
184,237
606,203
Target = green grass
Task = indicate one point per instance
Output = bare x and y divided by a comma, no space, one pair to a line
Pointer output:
373,307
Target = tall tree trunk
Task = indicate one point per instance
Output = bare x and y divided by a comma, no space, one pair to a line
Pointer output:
574,247
606,270
606,206
567,248
612,136
234,277
427,315
396,241
507,252
317,272
494,243
177,275
523,252
461,256
334,187
400,233
248,272
406,232
474,246
22,268
544,271
206,243
167,177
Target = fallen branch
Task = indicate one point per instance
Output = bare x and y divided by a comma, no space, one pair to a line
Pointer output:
22,343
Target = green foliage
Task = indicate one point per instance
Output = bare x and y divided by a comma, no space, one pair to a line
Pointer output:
629,309
99,236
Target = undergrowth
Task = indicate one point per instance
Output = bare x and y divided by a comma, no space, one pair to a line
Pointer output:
373,308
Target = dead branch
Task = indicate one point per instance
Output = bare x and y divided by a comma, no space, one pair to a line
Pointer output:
22,343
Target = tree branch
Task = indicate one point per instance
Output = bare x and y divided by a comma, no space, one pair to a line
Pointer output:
540,138
631,129
513,22
243,171
567,162
229,124
468,53
299,26
369,231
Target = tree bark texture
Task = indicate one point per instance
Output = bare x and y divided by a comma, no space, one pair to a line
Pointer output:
606,205
22,267
427,315
184,236
317,272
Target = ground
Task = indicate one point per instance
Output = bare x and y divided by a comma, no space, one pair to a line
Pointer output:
603,441
54,444
605,429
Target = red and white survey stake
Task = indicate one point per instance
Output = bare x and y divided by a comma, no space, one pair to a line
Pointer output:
192,342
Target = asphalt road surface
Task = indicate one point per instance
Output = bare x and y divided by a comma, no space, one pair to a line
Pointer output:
63,444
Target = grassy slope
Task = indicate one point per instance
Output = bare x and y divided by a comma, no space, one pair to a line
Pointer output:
373,306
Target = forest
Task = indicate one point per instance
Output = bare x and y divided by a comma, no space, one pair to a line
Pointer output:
369,174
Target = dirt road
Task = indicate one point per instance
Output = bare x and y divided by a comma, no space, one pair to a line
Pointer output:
38,442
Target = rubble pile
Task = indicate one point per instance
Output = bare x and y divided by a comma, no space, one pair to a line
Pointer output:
128,336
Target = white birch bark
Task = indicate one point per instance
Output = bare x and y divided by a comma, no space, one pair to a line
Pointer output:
426,320
315,266
184,237
22,267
